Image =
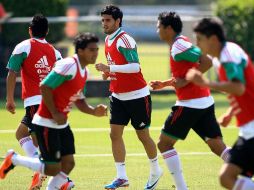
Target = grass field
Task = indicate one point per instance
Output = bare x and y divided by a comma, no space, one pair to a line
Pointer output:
94,162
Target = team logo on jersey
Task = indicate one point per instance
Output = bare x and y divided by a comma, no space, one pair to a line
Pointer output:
42,67
111,62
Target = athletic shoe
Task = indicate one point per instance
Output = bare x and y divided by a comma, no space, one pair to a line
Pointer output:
7,164
117,183
37,181
153,181
68,185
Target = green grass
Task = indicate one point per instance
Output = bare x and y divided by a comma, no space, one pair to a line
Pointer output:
200,171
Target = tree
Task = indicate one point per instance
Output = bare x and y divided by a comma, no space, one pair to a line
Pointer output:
238,19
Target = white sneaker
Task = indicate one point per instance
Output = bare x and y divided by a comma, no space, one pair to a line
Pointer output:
153,181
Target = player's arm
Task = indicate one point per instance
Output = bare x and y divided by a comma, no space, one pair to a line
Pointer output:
14,66
52,81
99,111
235,84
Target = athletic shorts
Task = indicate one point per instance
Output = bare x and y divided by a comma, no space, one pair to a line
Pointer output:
182,119
54,143
27,119
137,110
242,155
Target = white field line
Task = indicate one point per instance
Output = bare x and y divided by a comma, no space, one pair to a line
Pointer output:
6,131
136,155
142,154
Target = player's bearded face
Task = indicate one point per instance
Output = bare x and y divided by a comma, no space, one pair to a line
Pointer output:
109,25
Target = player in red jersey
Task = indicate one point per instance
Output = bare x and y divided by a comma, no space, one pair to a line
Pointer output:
236,73
194,108
62,87
130,99
34,58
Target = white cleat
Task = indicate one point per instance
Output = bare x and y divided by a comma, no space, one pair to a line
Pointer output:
153,181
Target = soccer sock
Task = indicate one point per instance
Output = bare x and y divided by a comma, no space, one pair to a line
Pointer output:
243,183
173,163
57,181
121,171
154,166
27,145
31,163
225,154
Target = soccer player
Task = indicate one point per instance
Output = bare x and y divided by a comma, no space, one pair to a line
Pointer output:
34,58
62,87
194,108
236,73
130,99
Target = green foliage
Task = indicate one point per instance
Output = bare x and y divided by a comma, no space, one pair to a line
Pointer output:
14,33
238,18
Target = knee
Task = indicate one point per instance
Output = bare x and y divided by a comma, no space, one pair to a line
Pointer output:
52,170
223,178
163,146
114,137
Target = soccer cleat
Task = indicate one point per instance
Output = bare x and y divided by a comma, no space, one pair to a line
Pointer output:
153,181
117,183
37,181
68,185
7,164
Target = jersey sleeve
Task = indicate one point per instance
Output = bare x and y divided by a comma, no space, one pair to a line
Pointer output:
58,55
185,51
234,71
126,45
19,54
63,70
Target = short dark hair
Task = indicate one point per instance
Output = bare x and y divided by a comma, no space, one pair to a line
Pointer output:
171,19
209,27
82,40
39,26
114,11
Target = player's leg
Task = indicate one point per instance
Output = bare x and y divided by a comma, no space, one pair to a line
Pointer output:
119,119
140,112
228,175
176,126
209,130
28,144
240,163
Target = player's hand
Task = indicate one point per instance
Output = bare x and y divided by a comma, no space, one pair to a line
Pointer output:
156,84
102,67
100,110
105,75
224,120
11,106
59,118
197,78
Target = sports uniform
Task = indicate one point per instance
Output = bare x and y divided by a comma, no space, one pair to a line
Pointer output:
67,81
130,98
34,58
235,64
195,106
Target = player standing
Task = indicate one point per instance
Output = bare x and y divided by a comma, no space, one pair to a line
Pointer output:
236,73
62,87
34,58
194,108
130,99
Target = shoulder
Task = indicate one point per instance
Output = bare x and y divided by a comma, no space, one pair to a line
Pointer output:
65,66
180,45
22,47
126,41
232,53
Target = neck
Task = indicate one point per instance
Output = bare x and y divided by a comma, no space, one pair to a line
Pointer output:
171,40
